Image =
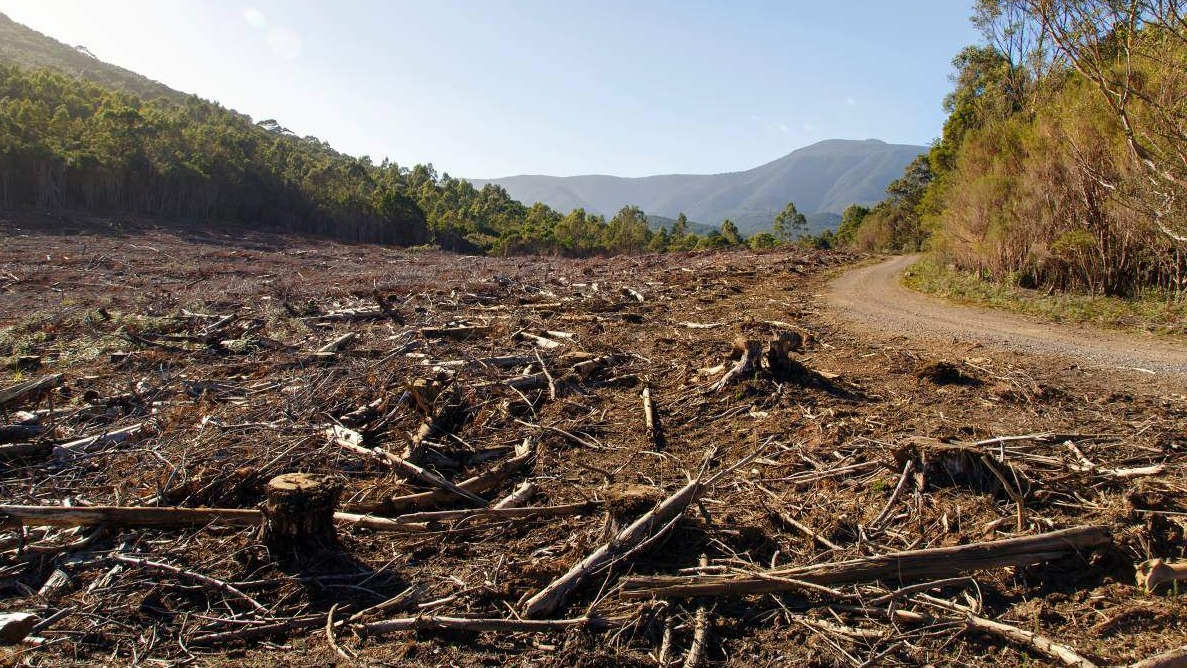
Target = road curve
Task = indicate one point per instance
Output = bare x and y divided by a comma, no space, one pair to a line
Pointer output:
873,296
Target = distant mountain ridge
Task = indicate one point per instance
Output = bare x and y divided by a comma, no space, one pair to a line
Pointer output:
27,48
821,179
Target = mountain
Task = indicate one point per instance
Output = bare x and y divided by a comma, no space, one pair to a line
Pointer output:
29,49
823,178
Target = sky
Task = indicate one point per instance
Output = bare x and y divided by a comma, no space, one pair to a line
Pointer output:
490,88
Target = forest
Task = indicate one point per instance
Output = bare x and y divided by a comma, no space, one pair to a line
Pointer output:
1063,161
72,145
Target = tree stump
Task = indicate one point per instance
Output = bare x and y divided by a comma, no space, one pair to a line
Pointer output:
299,510
779,359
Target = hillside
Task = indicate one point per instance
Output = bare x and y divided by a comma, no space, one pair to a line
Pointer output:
821,178
24,47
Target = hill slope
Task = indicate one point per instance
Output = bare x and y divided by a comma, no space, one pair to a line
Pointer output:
27,48
822,178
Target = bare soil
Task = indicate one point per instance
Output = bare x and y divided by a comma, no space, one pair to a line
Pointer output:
874,296
124,311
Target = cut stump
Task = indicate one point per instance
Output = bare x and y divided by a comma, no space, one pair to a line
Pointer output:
299,510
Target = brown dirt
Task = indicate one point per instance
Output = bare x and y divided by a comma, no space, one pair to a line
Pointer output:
221,419
874,296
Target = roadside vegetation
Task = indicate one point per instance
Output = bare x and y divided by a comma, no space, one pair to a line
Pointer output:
1151,313
1060,171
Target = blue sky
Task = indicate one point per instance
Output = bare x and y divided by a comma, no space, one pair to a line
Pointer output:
487,88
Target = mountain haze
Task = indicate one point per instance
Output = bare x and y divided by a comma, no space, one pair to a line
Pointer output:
823,178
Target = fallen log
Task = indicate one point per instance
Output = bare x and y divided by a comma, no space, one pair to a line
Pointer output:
943,562
91,443
167,517
476,624
583,508
15,393
548,599
457,333
126,516
1045,646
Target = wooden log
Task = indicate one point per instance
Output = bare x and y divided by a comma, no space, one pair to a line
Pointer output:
168,517
15,393
1175,658
518,497
338,345
65,451
25,451
476,624
583,508
1045,646
551,597
898,567
16,626
125,516
750,352
457,333
299,510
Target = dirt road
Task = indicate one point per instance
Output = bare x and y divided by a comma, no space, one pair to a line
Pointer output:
873,296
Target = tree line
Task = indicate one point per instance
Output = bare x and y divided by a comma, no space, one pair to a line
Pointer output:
1062,163
69,144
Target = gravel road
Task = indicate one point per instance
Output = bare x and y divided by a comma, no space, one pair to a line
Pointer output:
873,296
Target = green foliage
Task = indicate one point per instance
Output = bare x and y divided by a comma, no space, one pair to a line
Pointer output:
850,222
72,144
789,224
729,232
763,241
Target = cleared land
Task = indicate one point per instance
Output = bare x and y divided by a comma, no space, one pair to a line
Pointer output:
196,365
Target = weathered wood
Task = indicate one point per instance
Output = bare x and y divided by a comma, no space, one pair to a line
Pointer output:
137,517
1175,658
459,333
15,626
352,441
750,352
779,359
941,562
476,624
15,393
81,446
1062,653
584,508
548,599
299,510
524,455
25,451
518,497
338,345
19,432
126,516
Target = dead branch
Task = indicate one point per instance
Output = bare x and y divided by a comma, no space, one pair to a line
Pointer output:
1045,646
751,356
204,580
941,562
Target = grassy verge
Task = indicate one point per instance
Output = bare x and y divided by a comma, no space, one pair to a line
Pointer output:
1153,314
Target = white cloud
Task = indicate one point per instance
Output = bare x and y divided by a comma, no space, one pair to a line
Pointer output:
849,102
810,127
284,42
255,18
